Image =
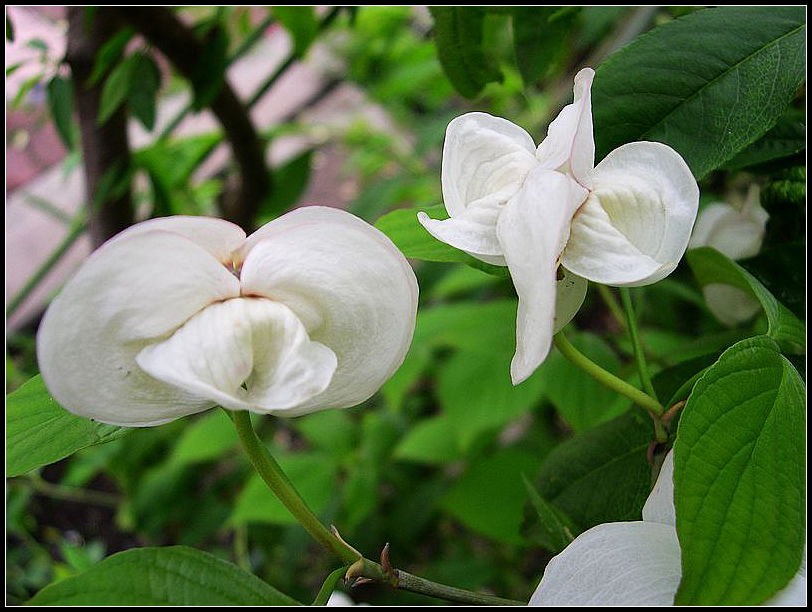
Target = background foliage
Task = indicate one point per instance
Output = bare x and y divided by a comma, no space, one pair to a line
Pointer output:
473,482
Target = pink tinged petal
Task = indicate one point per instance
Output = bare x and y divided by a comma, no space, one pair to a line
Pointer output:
244,354
614,564
659,507
533,229
485,161
133,290
349,285
570,292
217,236
570,144
635,226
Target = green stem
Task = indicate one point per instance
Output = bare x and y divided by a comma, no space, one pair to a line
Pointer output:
73,494
637,345
611,303
269,470
606,378
360,567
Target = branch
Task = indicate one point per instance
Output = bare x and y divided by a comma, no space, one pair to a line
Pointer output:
105,148
184,49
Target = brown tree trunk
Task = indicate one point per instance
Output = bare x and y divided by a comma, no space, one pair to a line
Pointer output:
105,148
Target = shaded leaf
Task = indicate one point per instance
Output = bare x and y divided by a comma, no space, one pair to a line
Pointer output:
60,103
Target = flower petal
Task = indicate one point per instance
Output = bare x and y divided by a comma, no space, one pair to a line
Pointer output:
736,234
244,354
131,291
730,305
533,228
614,564
485,160
472,231
659,507
570,292
218,236
570,144
635,226
349,285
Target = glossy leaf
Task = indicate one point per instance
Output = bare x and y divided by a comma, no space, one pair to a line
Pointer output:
601,475
708,101
40,432
739,478
786,139
710,266
170,576
458,33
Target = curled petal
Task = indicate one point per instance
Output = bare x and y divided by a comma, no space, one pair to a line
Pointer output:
570,292
244,354
570,144
532,229
472,231
635,226
614,564
133,290
352,289
659,507
485,161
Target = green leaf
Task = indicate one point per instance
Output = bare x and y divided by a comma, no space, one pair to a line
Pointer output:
329,586
786,139
489,498
109,53
554,530
60,103
710,266
667,382
40,432
302,24
708,84
539,37
315,476
116,88
415,242
739,478
458,36
204,439
601,475
290,182
779,268
428,442
581,400
209,73
9,29
169,576
145,81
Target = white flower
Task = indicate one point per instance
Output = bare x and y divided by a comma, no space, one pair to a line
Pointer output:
634,563
314,310
624,222
738,233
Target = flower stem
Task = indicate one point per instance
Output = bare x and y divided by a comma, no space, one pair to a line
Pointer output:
637,345
612,305
360,567
607,378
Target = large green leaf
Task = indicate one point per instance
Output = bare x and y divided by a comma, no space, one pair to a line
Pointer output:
170,576
739,478
458,36
781,270
710,266
489,498
786,139
601,475
39,431
708,84
539,37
